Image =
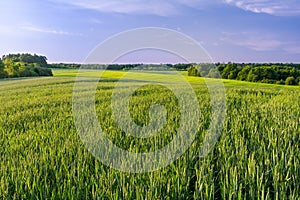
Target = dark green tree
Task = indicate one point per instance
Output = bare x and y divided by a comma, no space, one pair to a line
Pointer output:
24,65
27,59
290,80
3,74
255,72
230,71
243,74
192,71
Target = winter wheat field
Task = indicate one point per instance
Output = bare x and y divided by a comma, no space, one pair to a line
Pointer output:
43,157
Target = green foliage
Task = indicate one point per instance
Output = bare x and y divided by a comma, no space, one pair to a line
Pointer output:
213,73
298,80
179,66
281,82
3,74
64,66
263,73
27,59
204,70
230,71
24,65
42,156
12,68
243,74
41,71
193,71
290,81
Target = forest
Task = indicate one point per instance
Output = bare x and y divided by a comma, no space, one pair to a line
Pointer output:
24,65
275,73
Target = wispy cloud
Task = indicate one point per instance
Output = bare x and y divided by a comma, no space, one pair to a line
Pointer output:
261,42
48,31
156,7
152,7
173,7
293,48
272,7
96,21
252,40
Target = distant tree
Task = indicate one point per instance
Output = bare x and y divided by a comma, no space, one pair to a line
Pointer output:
24,65
205,68
243,74
255,72
214,73
27,59
290,81
64,66
3,74
252,77
281,82
298,80
269,73
12,68
230,71
192,71
221,67
182,66
41,71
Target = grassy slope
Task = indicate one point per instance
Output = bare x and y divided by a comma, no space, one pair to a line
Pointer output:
41,155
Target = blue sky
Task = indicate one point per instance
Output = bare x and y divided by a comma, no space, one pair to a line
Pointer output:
230,30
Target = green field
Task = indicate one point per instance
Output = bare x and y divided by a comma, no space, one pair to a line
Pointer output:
42,156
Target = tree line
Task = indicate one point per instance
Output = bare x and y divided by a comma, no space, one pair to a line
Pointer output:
179,66
278,73
24,65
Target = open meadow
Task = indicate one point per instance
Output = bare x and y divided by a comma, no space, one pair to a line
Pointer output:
43,157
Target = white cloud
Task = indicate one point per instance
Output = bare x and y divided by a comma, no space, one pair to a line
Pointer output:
49,31
272,7
262,41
